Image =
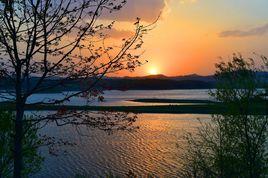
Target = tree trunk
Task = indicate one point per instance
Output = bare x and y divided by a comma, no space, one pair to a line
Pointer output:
18,162
18,159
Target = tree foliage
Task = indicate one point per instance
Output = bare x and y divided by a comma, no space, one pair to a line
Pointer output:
31,142
233,144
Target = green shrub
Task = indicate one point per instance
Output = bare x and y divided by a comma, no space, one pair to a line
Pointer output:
32,160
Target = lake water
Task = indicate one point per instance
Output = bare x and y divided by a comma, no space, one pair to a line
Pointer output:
122,98
150,149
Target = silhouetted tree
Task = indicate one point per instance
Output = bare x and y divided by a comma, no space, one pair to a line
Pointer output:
233,144
61,40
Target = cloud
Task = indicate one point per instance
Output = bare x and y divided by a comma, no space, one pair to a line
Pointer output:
147,10
258,31
187,1
119,34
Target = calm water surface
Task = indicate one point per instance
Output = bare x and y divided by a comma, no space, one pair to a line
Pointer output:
150,149
121,98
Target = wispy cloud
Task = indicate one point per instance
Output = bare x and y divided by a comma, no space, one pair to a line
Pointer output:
119,34
187,1
257,31
147,10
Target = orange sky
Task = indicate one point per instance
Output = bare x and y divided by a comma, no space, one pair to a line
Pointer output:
192,34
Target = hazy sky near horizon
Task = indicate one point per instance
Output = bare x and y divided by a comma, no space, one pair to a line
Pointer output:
191,35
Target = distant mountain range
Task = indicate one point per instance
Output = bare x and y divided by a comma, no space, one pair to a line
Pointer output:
162,82
159,82
209,78
150,82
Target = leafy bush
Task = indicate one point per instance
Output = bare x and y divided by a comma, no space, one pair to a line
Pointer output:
32,160
234,144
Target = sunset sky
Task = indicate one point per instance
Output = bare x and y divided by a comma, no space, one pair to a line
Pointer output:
192,34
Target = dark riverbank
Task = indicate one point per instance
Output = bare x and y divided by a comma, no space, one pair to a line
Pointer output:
155,100
202,108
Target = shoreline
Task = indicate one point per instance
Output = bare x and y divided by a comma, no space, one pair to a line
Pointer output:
173,101
202,108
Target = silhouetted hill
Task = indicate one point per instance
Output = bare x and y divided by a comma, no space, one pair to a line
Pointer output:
209,78
158,76
151,82
195,77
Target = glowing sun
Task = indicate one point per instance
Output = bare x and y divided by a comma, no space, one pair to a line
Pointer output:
153,71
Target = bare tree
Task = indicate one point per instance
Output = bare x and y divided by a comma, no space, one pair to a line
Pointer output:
60,41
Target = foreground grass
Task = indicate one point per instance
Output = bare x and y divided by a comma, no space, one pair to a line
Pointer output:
202,108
